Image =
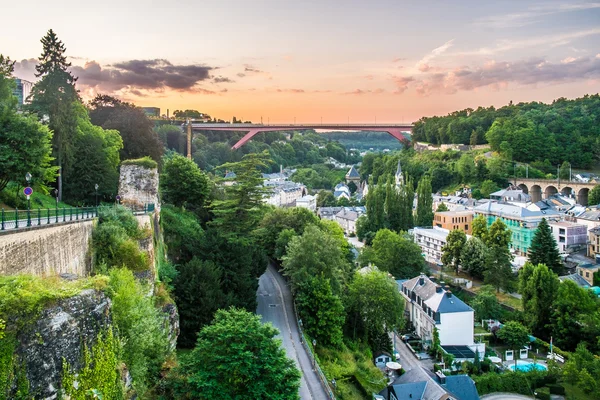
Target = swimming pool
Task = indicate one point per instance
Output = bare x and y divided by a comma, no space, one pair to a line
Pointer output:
527,366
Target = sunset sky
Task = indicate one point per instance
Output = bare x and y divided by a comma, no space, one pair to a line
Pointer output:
384,60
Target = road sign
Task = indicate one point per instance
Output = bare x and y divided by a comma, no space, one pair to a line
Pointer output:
118,198
28,191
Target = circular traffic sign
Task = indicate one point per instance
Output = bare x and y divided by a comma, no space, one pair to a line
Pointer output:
118,198
28,191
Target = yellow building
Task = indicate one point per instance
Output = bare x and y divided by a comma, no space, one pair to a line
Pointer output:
451,220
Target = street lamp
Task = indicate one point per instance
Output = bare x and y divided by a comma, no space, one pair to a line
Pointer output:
28,179
314,342
96,187
55,192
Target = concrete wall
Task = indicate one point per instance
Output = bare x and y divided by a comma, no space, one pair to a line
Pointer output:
47,251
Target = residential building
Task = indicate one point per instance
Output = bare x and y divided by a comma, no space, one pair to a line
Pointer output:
568,235
511,195
328,212
342,190
347,217
519,220
453,203
308,201
421,384
578,279
556,202
585,177
428,305
586,271
594,243
431,241
285,194
152,111
588,216
22,90
451,220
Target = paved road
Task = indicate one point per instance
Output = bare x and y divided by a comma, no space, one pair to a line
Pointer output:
275,306
408,360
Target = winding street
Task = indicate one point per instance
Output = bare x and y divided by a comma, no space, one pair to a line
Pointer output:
275,306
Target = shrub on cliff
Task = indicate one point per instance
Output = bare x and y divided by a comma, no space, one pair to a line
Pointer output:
145,162
140,324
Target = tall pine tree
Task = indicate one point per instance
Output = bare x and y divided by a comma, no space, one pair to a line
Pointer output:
53,97
543,248
424,202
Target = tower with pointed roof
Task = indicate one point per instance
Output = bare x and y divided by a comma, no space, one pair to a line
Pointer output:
353,176
399,177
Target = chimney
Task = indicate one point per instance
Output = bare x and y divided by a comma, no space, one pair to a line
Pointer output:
432,278
167,113
448,294
422,280
438,289
281,168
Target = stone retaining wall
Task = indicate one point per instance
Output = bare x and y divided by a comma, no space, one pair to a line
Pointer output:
49,251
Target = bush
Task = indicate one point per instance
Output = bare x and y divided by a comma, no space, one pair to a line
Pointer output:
140,324
128,254
513,382
121,216
106,239
543,393
557,389
145,162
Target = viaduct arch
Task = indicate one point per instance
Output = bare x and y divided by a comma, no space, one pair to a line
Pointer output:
540,189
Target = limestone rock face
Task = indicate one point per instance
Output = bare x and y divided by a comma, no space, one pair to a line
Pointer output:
138,185
172,324
58,334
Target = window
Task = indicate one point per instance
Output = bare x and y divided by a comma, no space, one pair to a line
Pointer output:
587,274
561,239
466,227
561,231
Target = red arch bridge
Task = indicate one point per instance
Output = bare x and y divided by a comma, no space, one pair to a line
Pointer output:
396,130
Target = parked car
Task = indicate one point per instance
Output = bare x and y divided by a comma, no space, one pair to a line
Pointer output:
409,336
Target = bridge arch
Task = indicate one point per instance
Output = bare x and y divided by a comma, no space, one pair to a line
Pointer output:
549,191
568,191
582,196
524,188
536,193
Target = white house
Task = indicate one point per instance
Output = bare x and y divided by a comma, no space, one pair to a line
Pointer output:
431,241
308,201
342,190
428,305
568,234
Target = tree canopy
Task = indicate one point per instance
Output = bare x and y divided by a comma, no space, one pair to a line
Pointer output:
238,357
543,248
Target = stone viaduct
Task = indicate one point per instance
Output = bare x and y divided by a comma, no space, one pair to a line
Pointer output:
540,189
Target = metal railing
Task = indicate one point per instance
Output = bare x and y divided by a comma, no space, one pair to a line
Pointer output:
311,355
16,219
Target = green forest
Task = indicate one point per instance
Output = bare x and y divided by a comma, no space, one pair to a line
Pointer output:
565,130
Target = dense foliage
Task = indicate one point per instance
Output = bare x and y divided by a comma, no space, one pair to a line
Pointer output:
565,130
25,144
238,357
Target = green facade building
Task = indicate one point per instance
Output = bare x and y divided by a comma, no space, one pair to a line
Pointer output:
521,222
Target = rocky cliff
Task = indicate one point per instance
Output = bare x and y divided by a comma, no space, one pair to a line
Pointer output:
59,333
